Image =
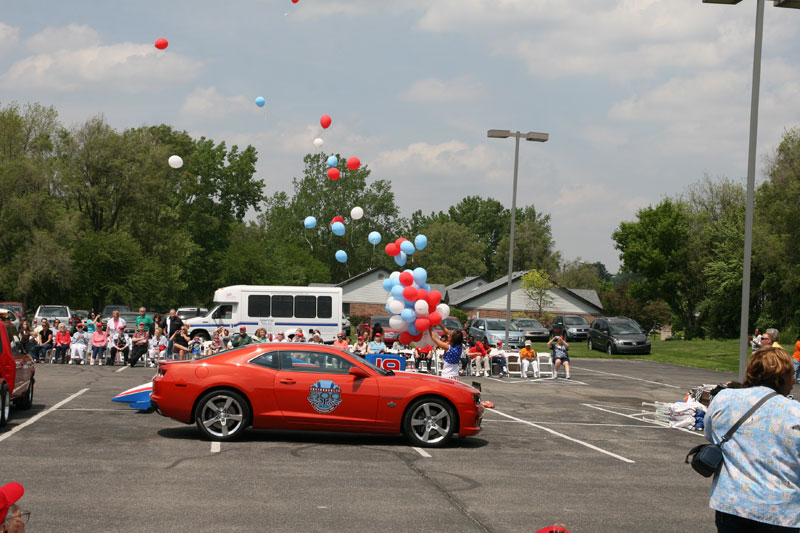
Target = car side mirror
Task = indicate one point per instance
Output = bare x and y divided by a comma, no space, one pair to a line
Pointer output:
358,372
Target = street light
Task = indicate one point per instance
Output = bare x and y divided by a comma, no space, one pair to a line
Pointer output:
530,136
751,173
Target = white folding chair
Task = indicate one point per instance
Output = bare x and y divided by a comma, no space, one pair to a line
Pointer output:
514,364
546,367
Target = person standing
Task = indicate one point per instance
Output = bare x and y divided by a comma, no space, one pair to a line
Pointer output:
79,345
755,340
99,342
560,349
140,340
26,336
144,318
90,323
453,344
796,357
528,357
116,325
758,486
173,325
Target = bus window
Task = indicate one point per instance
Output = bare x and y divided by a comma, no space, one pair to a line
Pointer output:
305,306
324,307
258,305
282,306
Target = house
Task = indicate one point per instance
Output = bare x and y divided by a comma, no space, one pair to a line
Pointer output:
489,300
460,288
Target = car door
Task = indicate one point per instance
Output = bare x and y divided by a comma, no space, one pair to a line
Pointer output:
315,390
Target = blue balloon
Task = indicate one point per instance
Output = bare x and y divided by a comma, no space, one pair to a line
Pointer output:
388,284
388,310
374,237
260,101
332,161
420,276
341,256
412,329
310,222
408,315
337,228
420,241
397,291
406,247
409,305
427,287
400,259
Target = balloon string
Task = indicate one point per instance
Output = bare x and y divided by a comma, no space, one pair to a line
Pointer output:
309,243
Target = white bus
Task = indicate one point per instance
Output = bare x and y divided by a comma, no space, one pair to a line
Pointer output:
274,308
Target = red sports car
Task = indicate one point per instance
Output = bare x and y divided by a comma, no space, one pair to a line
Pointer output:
312,387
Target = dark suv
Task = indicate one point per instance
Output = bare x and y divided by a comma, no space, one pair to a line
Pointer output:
571,327
618,334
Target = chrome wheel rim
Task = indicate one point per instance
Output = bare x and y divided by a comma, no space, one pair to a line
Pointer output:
6,405
222,415
430,423
609,350
590,345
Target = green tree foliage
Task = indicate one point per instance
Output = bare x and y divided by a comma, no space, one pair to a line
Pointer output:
454,253
536,284
578,274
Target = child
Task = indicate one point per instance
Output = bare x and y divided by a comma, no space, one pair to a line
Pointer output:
216,344
196,347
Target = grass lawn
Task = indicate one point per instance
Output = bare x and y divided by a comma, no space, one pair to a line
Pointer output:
701,353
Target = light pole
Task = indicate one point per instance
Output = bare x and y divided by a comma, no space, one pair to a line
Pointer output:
530,136
751,173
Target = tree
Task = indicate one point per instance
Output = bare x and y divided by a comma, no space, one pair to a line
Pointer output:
452,254
534,246
578,274
536,284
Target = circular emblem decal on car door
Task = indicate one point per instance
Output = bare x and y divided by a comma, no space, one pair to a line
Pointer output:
324,396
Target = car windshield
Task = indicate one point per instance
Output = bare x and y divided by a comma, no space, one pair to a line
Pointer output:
382,320
529,323
16,308
575,321
624,328
500,324
451,323
53,311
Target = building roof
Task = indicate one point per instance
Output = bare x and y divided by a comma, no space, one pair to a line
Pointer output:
474,293
359,276
589,295
465,281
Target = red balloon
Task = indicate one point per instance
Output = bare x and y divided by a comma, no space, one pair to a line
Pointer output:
325,121
406,279
353,163
392,249
161,43
295,1
417,337
422,324
405,338
422,294
434,318
434,297
337,218
399,241
410,294
333,173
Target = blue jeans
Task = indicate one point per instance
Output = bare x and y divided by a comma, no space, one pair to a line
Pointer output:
61,352
502,364
796,370
169,355
97,352
40,351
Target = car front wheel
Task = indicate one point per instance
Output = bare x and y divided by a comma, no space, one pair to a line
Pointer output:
5,404
222,415
429,422
589,345
27,401
610,349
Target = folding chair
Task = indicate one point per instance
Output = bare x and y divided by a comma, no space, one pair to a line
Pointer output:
546,367
514,364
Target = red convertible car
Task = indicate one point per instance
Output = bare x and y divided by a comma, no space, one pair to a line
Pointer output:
16,370
312,387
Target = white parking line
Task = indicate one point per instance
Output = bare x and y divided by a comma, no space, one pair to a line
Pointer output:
216,446
629,377
574,424
121,369
40,415
634,417
582,443
538,380
422,452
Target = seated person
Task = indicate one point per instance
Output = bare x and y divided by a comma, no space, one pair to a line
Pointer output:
121,345
360,347
377,345
560,349
216,344
279,337
260,335
498,356
341,342
399,347
196,347
477,351
241,338
528,357
423,354
316,339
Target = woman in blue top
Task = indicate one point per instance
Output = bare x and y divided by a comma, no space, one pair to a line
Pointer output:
452,351
758,487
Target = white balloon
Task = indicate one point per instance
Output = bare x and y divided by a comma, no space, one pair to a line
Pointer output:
175,161
421,307
395,275
318,142
443,310
356,213
396,323
396,306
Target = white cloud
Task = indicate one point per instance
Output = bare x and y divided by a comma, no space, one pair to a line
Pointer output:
205,103
450,158
9,37
71,37
434,90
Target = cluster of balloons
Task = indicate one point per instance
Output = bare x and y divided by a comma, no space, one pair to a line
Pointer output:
402,248
338,228
413,306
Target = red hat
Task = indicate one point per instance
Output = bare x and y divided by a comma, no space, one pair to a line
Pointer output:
499,343
360,338
558,528
243,328
10,493
378,335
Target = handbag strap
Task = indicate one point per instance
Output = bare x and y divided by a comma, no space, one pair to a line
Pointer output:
747,415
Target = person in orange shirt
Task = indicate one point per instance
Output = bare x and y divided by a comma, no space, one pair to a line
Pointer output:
341,342
796,356
528,357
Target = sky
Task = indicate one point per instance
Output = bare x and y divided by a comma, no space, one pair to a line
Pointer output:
641,98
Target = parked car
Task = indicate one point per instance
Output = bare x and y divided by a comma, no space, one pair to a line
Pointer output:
571,327
389,335
490,331
16,370
107,310
191,312
51,312
618,334
532,329
312,387
18,308
80,316
130,321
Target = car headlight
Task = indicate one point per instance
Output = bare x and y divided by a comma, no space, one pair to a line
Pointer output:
495,337
572,330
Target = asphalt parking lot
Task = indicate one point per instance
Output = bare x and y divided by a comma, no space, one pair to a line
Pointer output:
576,452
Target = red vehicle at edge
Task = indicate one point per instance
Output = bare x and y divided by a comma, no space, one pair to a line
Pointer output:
16,371
312,387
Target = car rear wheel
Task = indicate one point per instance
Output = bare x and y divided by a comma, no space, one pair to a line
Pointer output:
222,414
429,422
27,401
5,404
589,345
610,349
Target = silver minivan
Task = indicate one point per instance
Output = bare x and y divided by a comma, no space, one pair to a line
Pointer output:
490,331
